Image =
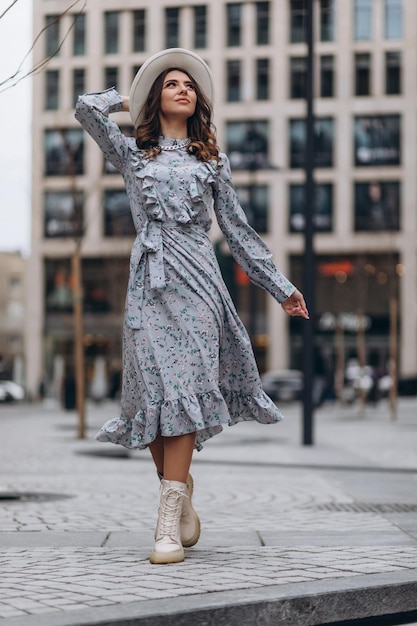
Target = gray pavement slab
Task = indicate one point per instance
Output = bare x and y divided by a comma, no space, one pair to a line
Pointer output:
287,530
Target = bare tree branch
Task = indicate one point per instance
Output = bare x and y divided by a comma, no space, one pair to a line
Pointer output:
37,68
8,9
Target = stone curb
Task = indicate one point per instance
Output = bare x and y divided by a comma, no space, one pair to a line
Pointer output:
305,604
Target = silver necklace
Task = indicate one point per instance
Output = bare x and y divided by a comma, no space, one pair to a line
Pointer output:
175,146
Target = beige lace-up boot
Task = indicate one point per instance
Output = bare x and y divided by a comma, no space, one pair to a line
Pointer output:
168,547
189,522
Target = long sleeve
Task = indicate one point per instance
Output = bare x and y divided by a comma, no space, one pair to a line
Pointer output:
92,111
247,248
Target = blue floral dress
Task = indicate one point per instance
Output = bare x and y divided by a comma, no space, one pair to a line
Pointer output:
188,364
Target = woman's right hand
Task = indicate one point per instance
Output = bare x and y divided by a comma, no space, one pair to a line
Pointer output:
125,104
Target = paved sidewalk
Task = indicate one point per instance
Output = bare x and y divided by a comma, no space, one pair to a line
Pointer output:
290,534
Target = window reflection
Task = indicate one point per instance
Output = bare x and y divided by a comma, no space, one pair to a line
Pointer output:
63,213
117,216
377,140
323,142
377,206
248,144
323,208
64,152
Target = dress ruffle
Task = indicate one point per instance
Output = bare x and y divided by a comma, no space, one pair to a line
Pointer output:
204,413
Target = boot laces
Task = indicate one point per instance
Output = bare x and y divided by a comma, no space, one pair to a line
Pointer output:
171,512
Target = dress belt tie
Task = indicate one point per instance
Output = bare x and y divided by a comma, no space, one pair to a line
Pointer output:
149,241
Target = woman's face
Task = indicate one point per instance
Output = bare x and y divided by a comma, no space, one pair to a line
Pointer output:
178,96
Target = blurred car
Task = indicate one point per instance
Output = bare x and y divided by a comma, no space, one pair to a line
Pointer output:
283,385
10,391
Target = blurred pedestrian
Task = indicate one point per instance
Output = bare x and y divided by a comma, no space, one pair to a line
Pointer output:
188,366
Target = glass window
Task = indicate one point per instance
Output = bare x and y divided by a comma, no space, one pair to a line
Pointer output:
52,41
111,77
327,19
111,32
104,284
58,286
63,213
298,20
393,62
254,200
377,206
393,19
262,23
262,79
172,27
248,144
234,23
78,84
139,30
200,26
233,81
327,76
363,19
51,90
323,142
64,152
79,47
117,216
323,208
377,140
298,77
362,74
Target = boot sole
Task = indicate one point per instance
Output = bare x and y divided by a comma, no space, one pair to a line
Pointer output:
191,542
164,558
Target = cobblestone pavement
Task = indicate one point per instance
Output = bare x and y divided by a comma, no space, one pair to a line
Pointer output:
273,512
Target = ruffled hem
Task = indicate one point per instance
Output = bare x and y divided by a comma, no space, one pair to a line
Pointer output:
205,414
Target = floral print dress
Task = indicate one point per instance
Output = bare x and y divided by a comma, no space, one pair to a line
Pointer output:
188,364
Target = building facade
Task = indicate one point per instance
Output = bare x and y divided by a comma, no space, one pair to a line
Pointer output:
12,315
366,159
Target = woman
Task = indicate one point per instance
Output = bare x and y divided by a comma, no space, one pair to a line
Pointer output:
188,362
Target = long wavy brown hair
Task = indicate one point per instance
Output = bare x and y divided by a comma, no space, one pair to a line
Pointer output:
200,128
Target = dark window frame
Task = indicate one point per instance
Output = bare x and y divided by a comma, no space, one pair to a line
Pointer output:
298,21
383,211
139,30
58,220
324,137
263,20
363,74
327,72
298,77
393,72
52,90
200,15
234,24
263,79
362,14
52,35
234,80
78,83
172,27
64,156
322,219
111,32
79,38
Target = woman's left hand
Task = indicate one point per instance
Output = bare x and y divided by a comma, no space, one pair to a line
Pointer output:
295,305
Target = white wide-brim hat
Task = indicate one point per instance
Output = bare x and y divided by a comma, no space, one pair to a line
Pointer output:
155,65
